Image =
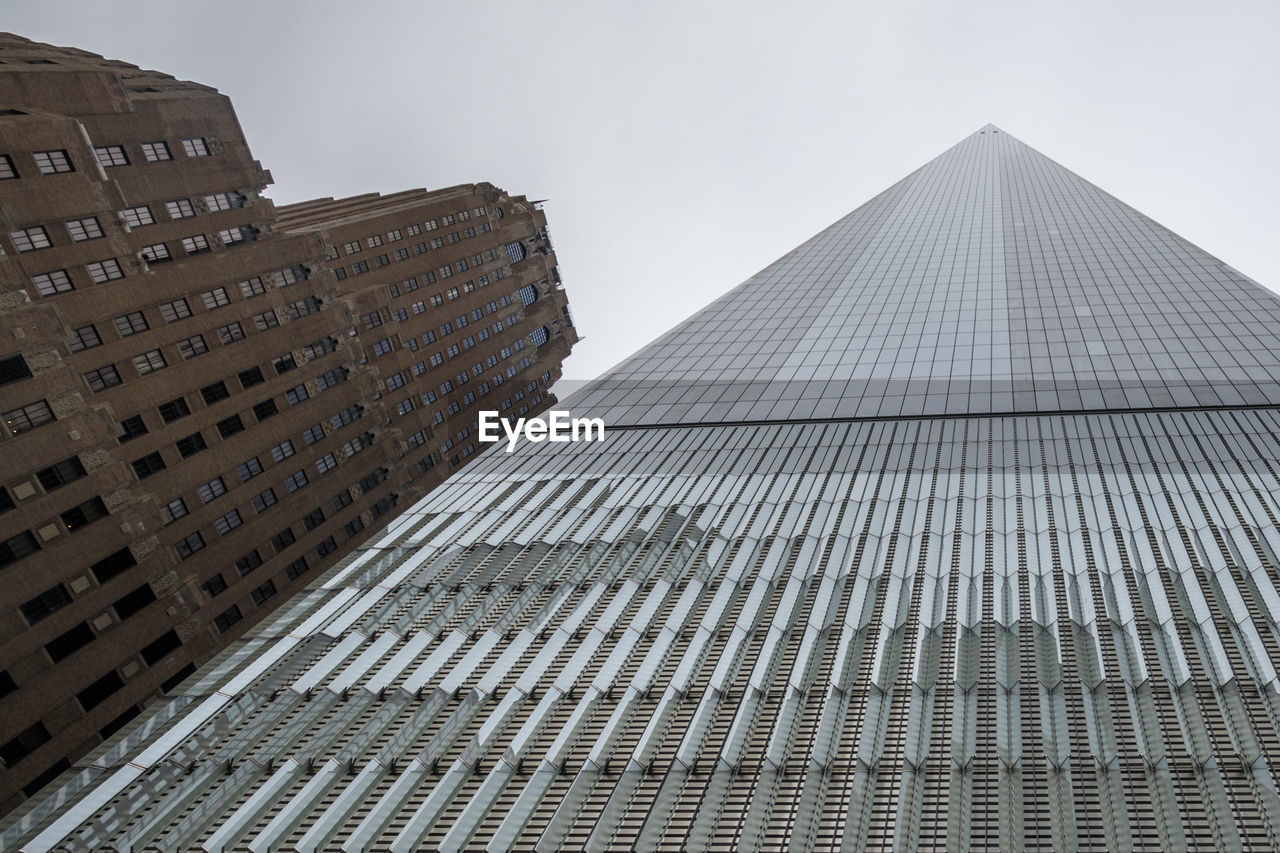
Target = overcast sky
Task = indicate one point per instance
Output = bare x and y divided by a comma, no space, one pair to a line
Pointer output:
684,146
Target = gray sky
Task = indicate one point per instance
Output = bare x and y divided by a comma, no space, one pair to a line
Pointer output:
684,146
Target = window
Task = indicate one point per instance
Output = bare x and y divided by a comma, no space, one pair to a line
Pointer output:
195,244
239,234
224,201
352,527
7,171
84,229
195,147
340,273
296,394
357,444
30,239
250,377
381,261
155,253
395,381
192,346
289,275
283,539
352,247
265,409
213,489
174,409
330,378
437,359
374,241
285,363
214,392
13,369
446,271
401,254
189,545
297,568
149,362
49,283
382,347
154,152
344,417
252,287
227,522
264,499
18,546
228,427
263,592
224,620
113,564
248,470
46,603
179,209
131,428
313,519
136,217
359,267
191,445
131,323
53,162
372,320
413,230
417,439
342,499
173,510
405,406
215,585
437,243
301,308
156,651
282,451
103,378
296,480
326,463
248,562
84,514
60,473
266,320
312,434
176,310
230,333
215,298
328,546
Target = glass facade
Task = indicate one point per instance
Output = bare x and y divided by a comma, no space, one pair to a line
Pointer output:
801,618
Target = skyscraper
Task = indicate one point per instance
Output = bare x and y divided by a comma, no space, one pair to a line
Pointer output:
206,402
954,528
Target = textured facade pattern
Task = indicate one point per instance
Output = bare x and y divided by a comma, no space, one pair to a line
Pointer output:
990,281
1042,633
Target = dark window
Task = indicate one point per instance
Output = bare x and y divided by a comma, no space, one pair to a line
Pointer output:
352,527
265,409
248,562
63,646
24,744
113,564
84,514
98,692
146,466
12,369
119,722
6,500
131,428
283,539
7,684
284,363
342,499
297,568
313,519
60,473
215,392
215,585
131,603
328,546
230,426
252,376
189,546
155,651
263,592
46,603
174,409
227,618
191,445
178,677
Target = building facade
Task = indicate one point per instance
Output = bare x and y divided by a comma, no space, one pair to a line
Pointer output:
954,528
205,410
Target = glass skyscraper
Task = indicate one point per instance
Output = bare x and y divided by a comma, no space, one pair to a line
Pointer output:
954,528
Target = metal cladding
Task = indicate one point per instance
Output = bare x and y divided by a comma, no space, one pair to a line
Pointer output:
1055,631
